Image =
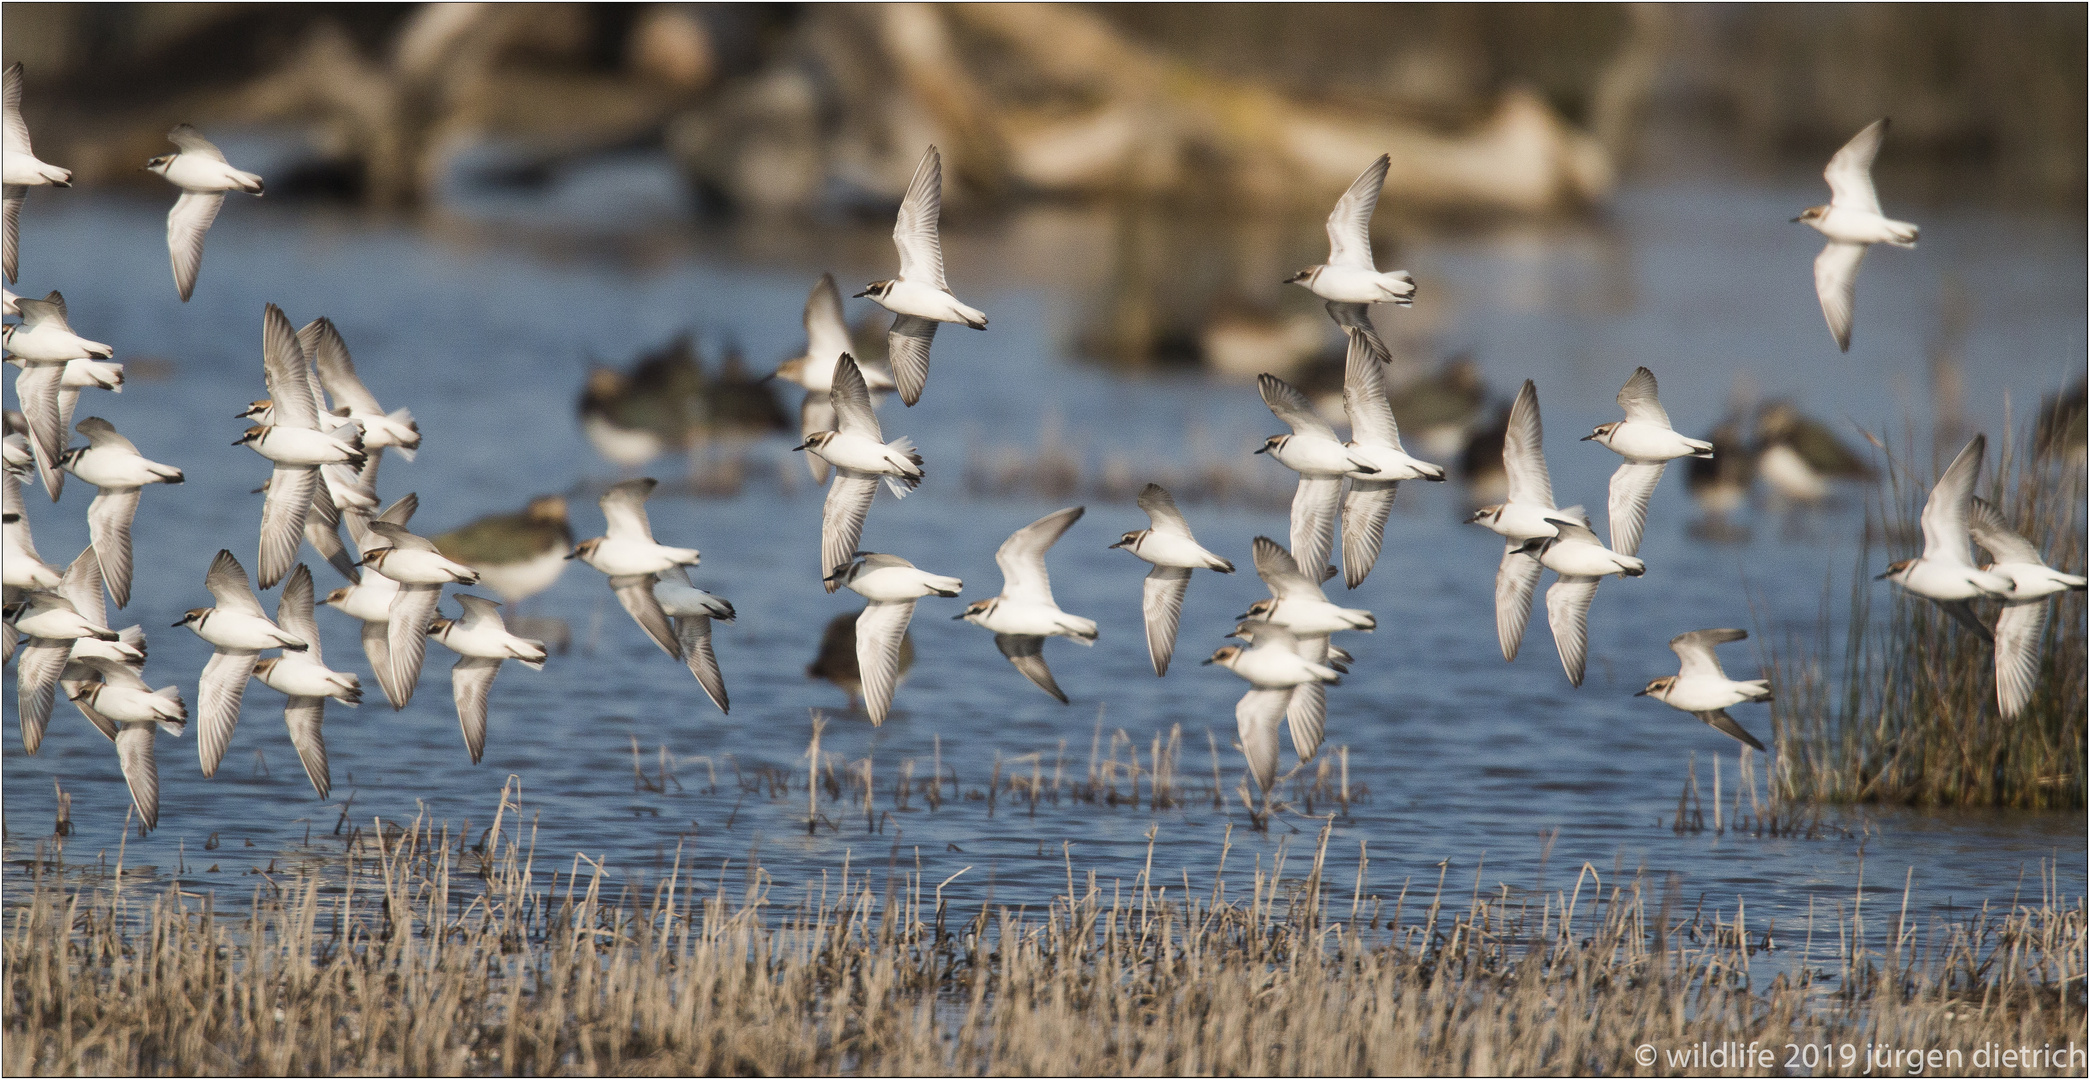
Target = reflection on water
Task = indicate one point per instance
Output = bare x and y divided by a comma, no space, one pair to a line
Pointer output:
484,326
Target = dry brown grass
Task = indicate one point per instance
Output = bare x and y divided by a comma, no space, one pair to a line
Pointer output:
1914,717
424,952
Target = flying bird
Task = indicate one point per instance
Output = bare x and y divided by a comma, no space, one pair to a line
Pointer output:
305,680
1945,573
1168,544
1526,515
1702,689
19,168
918,297
1377,439
1321,460
2022,623
1853,223
892,585
117,470
482,643
861,457
200,170
237,630
1350,280
1647,442
1025,614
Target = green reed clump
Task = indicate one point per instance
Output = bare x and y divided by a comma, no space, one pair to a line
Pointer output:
1913,717
420,952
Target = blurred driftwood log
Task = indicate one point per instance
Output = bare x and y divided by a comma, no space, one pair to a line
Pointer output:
1053,100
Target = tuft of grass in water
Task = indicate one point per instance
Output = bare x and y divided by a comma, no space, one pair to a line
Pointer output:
419,951
1913,717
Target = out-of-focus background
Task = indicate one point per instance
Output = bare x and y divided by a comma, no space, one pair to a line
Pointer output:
524,216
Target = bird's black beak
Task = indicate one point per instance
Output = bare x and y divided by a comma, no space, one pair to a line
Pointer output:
1263,449
184,622
1119,544
1883,576
258,490
1589,436
1797,220
1640,693
574,554
867,292
241,442
1206,660
960,615
800,446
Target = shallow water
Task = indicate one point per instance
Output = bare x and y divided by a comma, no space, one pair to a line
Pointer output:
481,322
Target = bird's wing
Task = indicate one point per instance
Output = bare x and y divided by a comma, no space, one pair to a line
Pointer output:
37,388
842,519
186,223
624,507
479,611
1524,452
1945,535
337,371
1022,558
294,611
288,371
1256,720
1515,580
283,514
101,433
218,694
880,629
1364,396
375,651
192,141
1161,509
109,728
227,582
1315,506
2018,632
11,101
1356,321
399,536
1836,284
1350,224
1719,721
109,519
1365,508
1028,654
816,413
303,716
1632,486
827,332
1162,602
11,198
406,640
1572,526
323,530
1567,610
914,232
907,349
1988,528
1640,400
851,400
471,682
1307,711
1850,172
140,772
1962,612
1280,571
1695,650
82,587
1292,407
693,632
38,666
635,592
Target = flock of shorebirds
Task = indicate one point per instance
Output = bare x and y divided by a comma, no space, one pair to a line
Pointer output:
324,433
